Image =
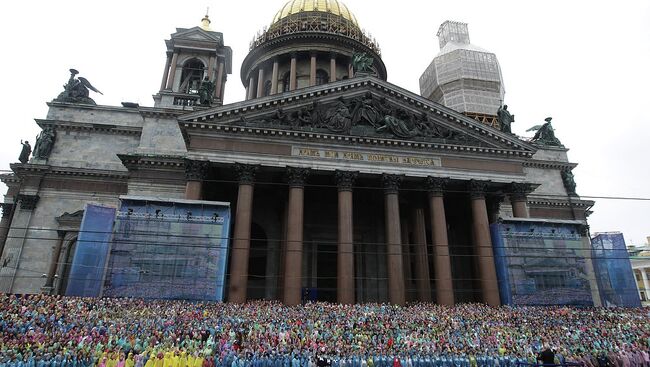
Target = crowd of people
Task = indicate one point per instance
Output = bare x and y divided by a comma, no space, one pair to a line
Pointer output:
52,331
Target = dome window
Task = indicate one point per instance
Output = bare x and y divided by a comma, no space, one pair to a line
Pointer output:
322,77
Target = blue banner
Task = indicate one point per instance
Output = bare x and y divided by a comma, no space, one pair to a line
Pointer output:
614,271
541,263
170,250
89,261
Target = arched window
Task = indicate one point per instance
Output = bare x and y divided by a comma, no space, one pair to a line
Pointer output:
191,77
285,81
267,88
322,77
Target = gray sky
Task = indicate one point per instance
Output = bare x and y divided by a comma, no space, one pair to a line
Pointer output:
585,63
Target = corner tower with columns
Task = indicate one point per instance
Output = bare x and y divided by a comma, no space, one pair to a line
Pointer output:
194,55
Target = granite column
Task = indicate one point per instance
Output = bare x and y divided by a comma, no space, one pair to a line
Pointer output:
396,294
241,243
293,255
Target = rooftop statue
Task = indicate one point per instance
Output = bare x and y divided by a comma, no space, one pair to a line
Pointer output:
25,152
545,134
362,63
205,92
505,119
76,90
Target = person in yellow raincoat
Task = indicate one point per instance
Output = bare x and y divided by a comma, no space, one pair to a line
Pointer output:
130,362
182,359
151,361
198,361
190,359
160,360
112,360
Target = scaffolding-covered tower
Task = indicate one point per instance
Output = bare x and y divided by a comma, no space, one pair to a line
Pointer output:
464,77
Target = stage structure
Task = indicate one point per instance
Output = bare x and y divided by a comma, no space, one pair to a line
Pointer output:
543,263
152,248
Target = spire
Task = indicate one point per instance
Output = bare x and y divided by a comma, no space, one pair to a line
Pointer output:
205,22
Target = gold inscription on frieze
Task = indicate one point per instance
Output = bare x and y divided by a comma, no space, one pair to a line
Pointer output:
418,161
309,152
367,157
383,158
353,155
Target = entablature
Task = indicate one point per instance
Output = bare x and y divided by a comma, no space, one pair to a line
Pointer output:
90,127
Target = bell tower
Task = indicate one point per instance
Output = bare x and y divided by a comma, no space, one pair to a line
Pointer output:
196,69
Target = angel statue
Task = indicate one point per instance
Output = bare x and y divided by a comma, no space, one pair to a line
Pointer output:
76,90
545,134
362,63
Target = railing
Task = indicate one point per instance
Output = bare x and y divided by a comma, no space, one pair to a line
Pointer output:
186,100
315,22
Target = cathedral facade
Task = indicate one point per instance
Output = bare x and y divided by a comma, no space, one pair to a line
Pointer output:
342,187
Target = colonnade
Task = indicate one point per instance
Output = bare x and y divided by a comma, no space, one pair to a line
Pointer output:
255,87
435,187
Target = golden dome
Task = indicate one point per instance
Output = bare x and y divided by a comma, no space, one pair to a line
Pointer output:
325,6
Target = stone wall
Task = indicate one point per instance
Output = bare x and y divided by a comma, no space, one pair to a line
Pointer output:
33,235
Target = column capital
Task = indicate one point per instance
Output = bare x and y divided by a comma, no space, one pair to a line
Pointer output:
196,170
345,179
477,189
246,173
493,204
28,202
436,185
391,183
296,176
6,209
519,190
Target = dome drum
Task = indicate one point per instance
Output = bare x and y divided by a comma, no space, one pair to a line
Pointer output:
307,40
315,22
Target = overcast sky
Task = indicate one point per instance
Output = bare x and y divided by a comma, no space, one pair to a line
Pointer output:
585,63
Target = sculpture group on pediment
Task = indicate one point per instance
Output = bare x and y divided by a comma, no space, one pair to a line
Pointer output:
339,118
363,115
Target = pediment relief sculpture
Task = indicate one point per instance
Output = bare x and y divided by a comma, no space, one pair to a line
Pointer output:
365,115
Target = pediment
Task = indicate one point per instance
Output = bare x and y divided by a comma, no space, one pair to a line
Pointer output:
366,108
196,34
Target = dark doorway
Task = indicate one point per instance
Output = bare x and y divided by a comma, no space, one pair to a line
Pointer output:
257,263
461,248
67,265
